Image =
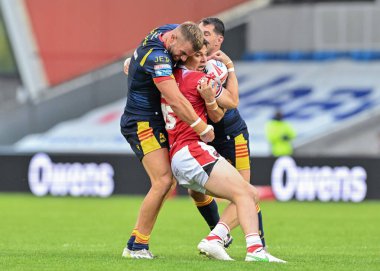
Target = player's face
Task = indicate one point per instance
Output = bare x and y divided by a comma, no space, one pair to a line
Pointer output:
213,38
180,49
197,62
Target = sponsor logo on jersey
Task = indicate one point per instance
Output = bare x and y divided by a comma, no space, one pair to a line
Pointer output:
163,70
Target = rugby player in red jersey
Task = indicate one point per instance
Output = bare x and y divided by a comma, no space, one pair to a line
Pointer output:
199,167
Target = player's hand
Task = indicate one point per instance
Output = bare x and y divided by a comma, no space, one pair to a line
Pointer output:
126,65
208,134
207,89
220,56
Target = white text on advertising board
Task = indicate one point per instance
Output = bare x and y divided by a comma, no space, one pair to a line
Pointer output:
74,179
323,183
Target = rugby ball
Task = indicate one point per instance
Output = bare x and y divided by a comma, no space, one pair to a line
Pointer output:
217,70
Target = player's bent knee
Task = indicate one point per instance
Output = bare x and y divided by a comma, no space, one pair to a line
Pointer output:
197,196
162,184
253,193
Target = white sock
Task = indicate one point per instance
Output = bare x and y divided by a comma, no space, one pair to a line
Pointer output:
221,230
253,242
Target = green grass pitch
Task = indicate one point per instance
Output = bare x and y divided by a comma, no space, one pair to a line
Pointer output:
90,233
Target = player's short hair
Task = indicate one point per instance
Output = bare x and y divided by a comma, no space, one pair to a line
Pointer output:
191,32
217,23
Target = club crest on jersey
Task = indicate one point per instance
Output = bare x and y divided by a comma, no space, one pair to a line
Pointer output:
163,70
203,79
216,154
162,138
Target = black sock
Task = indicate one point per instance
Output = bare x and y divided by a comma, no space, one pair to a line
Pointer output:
210,213
261,228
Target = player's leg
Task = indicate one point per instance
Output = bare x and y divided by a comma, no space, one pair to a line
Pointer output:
157,166
246,174
148,141
236,151
151,205
226,182
198,167
243,165
207,207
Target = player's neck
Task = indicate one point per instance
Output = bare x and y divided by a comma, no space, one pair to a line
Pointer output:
189,67
215,49
165,37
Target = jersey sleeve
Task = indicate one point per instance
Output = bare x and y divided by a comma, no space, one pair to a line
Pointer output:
159,65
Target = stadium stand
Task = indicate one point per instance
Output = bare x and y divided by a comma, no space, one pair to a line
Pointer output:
301,58
318,99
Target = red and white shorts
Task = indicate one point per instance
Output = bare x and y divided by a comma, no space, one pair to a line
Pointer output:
192,165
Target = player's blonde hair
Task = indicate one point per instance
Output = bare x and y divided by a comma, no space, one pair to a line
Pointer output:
191,32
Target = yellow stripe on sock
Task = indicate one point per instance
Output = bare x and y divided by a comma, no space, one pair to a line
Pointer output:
134,232
258,209
141,238
204,203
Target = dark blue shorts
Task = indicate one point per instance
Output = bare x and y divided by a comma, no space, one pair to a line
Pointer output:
235,148
144,133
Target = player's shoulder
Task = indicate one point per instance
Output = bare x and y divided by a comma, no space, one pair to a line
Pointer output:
157,60
159,56
192,73
192,76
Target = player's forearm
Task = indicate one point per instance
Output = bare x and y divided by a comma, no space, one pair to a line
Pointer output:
226,101
183,109
181,106
233,87
214,112
230,96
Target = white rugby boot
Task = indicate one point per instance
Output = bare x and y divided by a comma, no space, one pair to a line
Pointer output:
141,254
258,255
214,249
274,259
261,255
126,253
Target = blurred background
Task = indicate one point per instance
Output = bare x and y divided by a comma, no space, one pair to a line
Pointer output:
62,92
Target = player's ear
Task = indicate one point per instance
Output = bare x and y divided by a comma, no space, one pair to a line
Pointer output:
220,39
173,37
